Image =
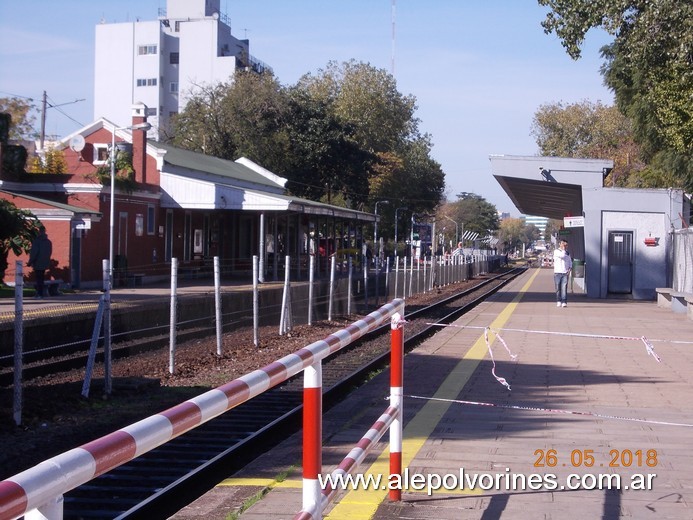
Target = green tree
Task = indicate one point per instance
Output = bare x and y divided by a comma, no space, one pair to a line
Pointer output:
511,234
323,160
531,234
367,99
17,228
476,213
22,113
649,66
380,121
333,135
245,117
588,130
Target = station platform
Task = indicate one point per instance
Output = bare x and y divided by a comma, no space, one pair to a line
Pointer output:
588,402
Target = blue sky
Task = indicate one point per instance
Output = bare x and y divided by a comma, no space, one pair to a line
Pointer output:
479,69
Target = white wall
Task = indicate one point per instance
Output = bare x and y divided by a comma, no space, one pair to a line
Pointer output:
649,263
118,66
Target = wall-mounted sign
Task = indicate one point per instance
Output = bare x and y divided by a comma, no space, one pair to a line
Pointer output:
574,222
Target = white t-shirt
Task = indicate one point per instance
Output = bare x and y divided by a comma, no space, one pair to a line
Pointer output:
561,261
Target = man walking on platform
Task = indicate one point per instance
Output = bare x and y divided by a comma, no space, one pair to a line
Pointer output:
562,264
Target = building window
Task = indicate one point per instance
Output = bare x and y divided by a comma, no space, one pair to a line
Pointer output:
146,49
173,87
147,82
151,111
151,223
176,26
139,224
100,153
174,58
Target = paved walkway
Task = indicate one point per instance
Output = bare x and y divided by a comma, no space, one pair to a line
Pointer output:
581,403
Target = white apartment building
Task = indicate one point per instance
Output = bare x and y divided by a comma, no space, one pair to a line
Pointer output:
539,222
159,63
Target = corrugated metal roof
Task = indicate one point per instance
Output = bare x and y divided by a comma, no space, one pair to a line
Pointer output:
199,162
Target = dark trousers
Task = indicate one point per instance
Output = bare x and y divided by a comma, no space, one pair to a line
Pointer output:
40,279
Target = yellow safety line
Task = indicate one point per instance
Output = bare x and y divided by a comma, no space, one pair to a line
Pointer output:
363,503
262,482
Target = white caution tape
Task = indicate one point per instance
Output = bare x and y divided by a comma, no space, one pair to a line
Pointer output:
501,380
550,410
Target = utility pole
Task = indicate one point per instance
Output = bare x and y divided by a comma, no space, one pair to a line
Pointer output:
44,107
43,120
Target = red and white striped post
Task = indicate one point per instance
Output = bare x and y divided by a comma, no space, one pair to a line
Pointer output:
396,398
312,438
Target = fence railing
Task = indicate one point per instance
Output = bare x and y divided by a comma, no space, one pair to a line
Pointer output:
39,490
316,498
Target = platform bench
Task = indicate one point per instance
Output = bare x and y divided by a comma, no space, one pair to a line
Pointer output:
53,287
689,306
664,297
677,301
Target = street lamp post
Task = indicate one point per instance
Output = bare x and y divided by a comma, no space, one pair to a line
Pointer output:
141,126
109,283
457,229
396,224
375,232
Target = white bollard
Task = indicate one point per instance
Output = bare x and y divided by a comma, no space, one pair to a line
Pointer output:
311,280
174,316
217,301
256,303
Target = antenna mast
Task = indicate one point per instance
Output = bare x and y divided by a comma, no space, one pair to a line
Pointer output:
392,66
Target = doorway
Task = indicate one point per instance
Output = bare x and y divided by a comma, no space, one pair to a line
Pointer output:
620,262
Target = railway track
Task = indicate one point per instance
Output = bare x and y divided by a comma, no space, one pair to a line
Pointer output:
166,479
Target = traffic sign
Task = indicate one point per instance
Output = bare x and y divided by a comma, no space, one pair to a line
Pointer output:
574,222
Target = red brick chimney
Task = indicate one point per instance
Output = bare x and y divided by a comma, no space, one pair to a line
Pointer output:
139,143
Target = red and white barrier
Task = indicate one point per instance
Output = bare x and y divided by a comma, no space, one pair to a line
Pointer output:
44,484
315,499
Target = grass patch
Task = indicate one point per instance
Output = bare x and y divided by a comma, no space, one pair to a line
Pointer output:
254,499
8,292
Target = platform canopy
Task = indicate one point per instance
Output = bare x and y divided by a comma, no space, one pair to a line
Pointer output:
551,187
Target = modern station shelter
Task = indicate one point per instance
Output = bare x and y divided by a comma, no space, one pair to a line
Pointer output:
620,239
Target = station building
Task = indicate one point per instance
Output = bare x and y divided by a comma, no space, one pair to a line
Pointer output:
622,240
175,204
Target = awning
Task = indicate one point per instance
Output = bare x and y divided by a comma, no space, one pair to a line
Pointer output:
51,210
548,186
191,193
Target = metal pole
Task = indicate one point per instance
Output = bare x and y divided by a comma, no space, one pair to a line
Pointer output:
396,398
349,282
107,284
312,437
256,304
283,319
172,329
217,301
396,273
112,208
262,248
365,280
376,245
18,341
333,266
311,280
